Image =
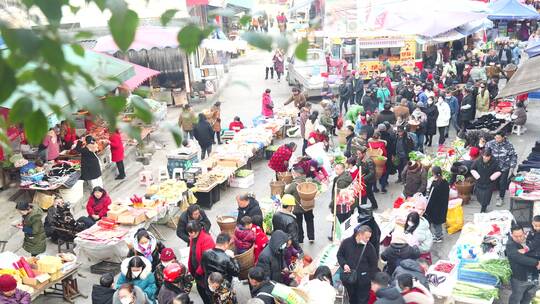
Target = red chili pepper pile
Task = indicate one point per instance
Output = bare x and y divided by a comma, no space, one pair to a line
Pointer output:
444,267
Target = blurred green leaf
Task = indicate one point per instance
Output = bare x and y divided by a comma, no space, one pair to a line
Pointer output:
101,4
116,103
8,83
123,27
23,40
52,52
20,110
74,9
46,80
191,36
245,20
167,16
301,50
258,40
51,9
79,50
35,127
142,110
133,132
176,133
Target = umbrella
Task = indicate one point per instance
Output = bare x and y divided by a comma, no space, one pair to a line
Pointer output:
145,38
511,10
533,49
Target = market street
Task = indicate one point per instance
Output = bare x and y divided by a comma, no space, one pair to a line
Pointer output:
244,102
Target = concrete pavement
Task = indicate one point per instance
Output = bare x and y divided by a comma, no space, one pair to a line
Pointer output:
240,97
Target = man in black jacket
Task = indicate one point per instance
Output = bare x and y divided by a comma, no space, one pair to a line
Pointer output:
523,290
193,213
356,252
249,206
357,88
466,112
204,134
367,168
285,221
221,259
386,115
260,287
345,92
271,259
103,293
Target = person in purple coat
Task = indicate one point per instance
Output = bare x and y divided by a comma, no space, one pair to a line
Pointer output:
9,294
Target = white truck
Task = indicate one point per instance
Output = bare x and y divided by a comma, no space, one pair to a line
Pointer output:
307,74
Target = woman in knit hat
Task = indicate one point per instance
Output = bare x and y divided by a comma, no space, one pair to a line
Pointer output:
9,294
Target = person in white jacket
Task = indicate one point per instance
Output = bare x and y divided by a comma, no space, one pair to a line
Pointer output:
412,291
320,288
443,120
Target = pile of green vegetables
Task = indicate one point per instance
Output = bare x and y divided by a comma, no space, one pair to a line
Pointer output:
499,268
472,291
267,222
340,159
243,173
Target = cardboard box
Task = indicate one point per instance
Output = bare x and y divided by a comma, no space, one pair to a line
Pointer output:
115,211
235,163
36,282
131,218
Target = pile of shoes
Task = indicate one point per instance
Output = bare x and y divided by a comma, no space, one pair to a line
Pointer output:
533,160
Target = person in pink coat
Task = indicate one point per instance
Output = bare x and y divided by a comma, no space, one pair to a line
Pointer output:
267,104
117,153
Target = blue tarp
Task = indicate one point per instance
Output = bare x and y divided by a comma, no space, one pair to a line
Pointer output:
511,10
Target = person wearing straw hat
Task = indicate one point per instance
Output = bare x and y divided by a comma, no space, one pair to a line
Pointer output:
299,211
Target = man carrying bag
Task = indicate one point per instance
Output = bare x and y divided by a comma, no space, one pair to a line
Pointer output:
358,261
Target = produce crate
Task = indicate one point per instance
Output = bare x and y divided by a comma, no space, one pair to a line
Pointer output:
242,182
105,267
472,276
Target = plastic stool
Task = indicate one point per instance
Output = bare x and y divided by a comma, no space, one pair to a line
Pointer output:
518,129
177,173
146,178
163,174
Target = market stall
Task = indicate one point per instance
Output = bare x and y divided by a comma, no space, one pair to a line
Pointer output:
476,265
44,275
106,241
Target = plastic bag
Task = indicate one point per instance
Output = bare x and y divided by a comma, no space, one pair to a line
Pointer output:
454,219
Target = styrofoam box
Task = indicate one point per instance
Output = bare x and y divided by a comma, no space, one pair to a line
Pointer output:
242,182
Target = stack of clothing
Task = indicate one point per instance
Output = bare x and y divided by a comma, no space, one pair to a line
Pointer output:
533,160
488,121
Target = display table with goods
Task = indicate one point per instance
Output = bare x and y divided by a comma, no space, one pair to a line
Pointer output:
500,119
476,265
44,274
39,184
525,196
107,239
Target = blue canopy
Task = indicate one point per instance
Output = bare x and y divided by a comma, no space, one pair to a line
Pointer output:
511,10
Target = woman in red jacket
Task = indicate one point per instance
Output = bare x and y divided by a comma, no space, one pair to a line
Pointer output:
98,204
199,242
117,153
67,135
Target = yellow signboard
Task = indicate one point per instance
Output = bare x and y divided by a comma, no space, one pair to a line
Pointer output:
406,59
